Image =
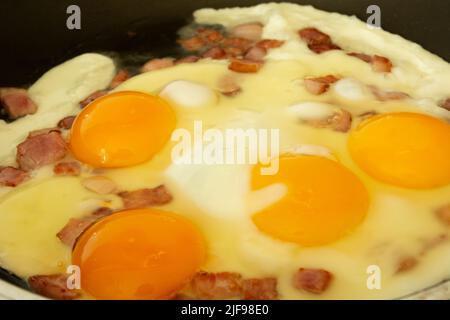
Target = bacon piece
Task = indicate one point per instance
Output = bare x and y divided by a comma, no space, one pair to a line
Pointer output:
42,131
382,95
66,123
11,177
234,42
209,35
361,56
443,213
215,53
99,184
340,121
251,31
227,86
71,168
381,64
260,289
255,54
145,197
192,44
40,150
16,102
156,64
317,41
445,104
244,66
53,286
120,77
269,43
234,52
188,59
92,97
319,85
406,264
312,280
76,226
221,285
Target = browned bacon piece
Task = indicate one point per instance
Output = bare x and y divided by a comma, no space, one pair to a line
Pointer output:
215,53
227,86
255,54
317,41
382,95
16,102
244,66
53,286
120,77
269,43
76,226
11,177
406,264
319,85
221,285
40,150
340,121
251,31
156,64
66,123
445,104
312,280
42,131
145,197
92,97
381,64
209,35
260,289
361,56
192,44
234,42
443,213
70,168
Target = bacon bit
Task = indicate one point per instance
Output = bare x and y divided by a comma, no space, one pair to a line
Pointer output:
269,43
251,31
312,280
66,123
215,53
443,214
210,35
42,131
221,285
11,177
244,66
406,264
16,102
381,64
362,56
76,226
255,54
317,41
99,184
120,77
188,59
71,168
53,286
234,52
319,85
40,150
382,95
239,43
156,64
227,86
192,44
445,104
92,97
340,121
260,289
142,198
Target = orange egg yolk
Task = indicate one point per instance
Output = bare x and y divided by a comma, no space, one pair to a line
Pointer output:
138,254
404,149
121,129
324,201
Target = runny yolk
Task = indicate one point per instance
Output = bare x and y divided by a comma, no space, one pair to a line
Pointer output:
121,129
404,149
138,254
324,201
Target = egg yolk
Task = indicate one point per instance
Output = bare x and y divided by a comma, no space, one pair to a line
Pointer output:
121,129
324,201
138,254
404,149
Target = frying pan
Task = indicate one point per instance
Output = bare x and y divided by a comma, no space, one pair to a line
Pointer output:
34,38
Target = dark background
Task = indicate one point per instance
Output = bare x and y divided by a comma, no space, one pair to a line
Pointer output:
34,36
